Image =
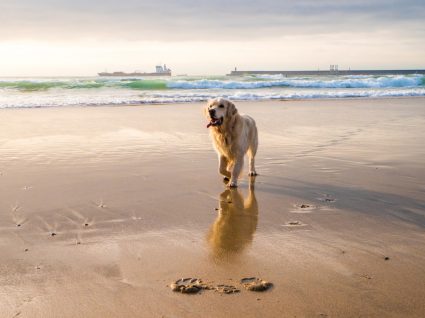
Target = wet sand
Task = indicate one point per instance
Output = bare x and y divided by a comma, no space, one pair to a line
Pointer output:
101,208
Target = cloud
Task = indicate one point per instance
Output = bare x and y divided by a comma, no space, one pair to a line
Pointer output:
191,20
82,37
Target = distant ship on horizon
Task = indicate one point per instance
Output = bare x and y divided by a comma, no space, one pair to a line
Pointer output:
159,71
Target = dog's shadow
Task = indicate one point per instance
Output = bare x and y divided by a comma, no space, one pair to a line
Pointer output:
233,229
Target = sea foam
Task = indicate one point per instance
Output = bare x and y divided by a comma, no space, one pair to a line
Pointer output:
43,92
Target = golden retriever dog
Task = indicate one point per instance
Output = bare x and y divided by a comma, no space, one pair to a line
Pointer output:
233,136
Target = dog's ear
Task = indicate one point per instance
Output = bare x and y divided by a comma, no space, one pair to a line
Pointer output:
231,109
205,109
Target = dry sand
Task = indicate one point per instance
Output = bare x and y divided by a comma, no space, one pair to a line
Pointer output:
102,207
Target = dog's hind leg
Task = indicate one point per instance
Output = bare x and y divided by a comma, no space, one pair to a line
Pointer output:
222,167
251,155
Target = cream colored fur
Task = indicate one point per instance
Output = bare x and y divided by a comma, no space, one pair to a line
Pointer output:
236,136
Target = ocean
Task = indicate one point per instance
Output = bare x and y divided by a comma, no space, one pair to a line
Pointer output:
92,91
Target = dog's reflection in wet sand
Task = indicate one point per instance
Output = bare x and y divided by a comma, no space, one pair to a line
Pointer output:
235,225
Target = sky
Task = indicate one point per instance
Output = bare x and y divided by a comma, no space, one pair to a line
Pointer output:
83,37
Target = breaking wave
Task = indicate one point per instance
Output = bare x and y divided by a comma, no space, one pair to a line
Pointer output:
66,91
248,82
192,96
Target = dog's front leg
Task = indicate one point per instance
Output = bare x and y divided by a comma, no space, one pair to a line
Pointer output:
236,170
222,167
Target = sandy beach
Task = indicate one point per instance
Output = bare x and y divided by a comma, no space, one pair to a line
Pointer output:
101,208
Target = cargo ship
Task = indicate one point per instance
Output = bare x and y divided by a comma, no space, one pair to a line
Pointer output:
159,71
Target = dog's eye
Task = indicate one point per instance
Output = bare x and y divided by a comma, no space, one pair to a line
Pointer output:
221,106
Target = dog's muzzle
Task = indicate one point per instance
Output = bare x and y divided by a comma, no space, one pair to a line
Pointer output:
215,122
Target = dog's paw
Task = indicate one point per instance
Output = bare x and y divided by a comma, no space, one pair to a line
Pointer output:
252,174
233,184
226,179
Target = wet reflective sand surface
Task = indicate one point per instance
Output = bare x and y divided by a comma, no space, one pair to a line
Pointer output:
101,208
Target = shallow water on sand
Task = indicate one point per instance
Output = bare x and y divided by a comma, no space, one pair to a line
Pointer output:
103,207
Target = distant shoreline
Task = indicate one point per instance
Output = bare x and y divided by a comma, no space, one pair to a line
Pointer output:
328,72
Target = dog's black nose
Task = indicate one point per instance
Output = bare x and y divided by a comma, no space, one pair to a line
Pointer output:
212,112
